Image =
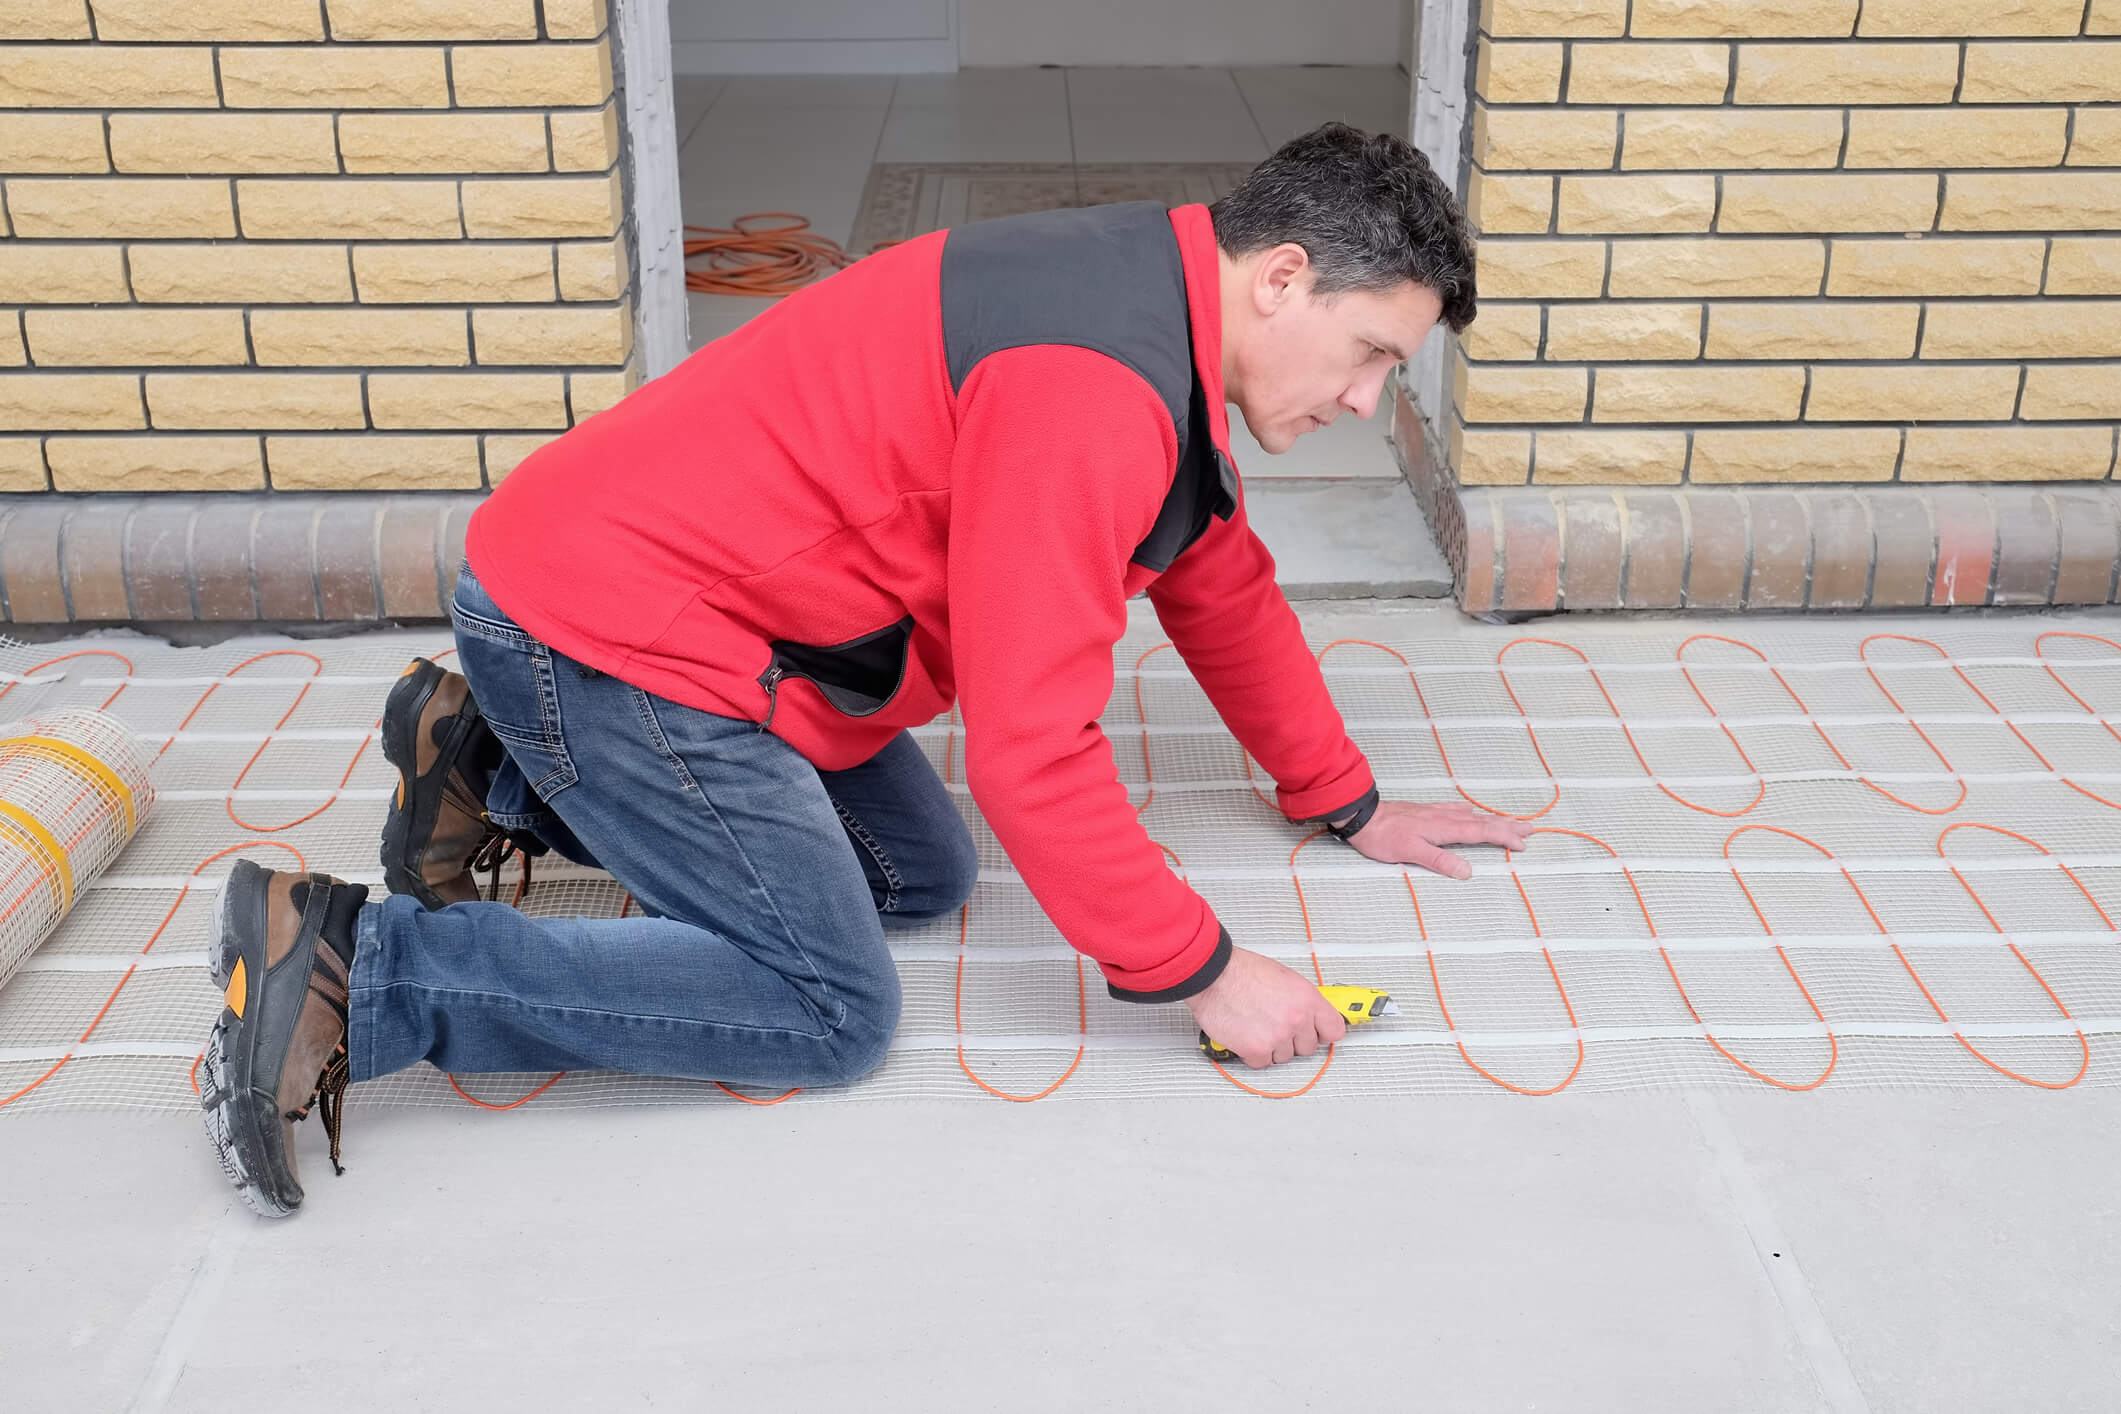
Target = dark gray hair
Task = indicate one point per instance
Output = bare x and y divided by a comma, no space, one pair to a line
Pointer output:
1366,207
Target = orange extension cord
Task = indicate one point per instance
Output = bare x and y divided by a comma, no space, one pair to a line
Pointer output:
751,258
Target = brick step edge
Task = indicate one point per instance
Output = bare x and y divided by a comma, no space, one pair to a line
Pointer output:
1536,549
229,558
1755,548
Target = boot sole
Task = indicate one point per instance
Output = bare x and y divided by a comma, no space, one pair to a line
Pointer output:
231,1117
239,1120
400,723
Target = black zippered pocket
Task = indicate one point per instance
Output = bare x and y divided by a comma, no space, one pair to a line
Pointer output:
859,677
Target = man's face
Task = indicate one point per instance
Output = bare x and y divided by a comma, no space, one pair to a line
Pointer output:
1304,360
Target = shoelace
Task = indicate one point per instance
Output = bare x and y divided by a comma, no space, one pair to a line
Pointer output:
329,1100
493,852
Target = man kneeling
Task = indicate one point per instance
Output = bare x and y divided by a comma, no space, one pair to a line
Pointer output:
694,631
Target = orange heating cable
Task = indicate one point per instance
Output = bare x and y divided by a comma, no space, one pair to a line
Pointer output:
522,885
1916,977
153,938
1805,708
1141,716
1760,790
625,907
1082,1004
491,1105
1833,1044
285,717
1680,655
2084,1063
957,1016
1863,652
1834,1047
1436,982
1986,702
1422,698
206,696
1780,680
81,653
2040,651
1316,975
87,788
47,872
749,258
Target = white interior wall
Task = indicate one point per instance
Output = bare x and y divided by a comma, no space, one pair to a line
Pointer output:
905,36
813,36
1234,32
1442,99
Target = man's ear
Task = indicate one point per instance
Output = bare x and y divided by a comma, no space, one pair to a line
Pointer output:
1280,276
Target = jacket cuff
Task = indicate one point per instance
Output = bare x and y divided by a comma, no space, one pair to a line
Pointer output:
1203,977
1364,804
1334,797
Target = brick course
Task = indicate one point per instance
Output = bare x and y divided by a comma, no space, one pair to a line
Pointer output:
1731,243
292,245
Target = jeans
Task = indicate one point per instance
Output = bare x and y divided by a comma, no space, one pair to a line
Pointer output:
767,887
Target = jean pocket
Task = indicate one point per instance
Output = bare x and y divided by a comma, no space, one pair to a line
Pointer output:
513,683
472,611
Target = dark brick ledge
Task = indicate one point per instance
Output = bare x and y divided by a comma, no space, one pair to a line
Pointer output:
270,558
1833,547
1534,549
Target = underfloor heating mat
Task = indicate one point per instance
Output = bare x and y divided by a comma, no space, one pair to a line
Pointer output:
1781,853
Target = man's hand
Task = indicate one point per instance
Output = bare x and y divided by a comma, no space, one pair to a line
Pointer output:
1265,1012
1402,833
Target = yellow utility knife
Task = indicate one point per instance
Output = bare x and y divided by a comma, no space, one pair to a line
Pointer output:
1357,1004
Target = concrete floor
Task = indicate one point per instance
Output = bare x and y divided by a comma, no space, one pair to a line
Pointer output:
1636,1253
1883,1244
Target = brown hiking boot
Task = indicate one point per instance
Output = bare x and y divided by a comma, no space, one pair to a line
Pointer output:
283,956
445,754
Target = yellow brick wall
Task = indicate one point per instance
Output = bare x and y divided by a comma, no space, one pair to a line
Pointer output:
1792,240
305,244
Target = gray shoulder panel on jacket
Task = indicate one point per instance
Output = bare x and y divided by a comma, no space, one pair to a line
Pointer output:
1105,278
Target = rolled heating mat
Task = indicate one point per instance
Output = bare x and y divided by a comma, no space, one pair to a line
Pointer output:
74,787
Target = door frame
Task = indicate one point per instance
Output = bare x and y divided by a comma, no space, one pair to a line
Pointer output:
645,75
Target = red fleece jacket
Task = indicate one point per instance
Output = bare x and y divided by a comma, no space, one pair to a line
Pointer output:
812,477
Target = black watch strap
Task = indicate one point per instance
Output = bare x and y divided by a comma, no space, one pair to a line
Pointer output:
1364,809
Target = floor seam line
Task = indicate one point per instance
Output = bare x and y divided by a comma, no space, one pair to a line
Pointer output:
229,1237
1778,1259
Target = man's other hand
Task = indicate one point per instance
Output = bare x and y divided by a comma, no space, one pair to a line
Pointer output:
1265,1012
1402,833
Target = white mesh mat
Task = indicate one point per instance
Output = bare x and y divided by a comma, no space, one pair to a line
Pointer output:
1790,852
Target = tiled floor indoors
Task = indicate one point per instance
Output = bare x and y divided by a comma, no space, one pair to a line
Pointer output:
1335,510
805,144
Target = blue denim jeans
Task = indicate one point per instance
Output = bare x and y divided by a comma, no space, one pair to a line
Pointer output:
767,886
